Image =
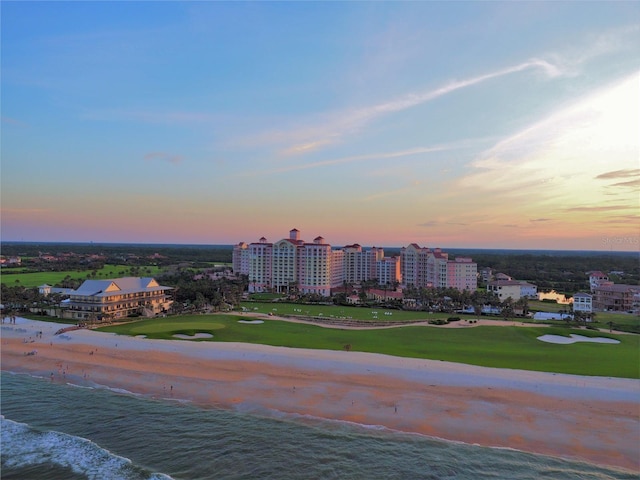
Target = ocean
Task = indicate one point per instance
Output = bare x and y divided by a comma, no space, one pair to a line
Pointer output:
57,431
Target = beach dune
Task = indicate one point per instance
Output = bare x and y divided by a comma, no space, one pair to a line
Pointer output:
594,419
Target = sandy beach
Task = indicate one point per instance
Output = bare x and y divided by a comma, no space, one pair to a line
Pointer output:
594,419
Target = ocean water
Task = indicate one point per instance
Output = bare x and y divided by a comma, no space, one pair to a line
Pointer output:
64,432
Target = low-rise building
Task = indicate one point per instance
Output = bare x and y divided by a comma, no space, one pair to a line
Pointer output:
117,298
46,290
10,261
616,297
597,278
582,302
515,289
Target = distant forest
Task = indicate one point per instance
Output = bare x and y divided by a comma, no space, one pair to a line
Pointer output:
125,253
563,271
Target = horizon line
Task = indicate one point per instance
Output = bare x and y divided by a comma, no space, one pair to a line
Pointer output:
170,244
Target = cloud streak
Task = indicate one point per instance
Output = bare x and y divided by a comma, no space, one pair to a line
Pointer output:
436,223
351,121
599,208
630,172
356,158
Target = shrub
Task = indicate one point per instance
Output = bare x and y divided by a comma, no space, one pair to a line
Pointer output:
438,321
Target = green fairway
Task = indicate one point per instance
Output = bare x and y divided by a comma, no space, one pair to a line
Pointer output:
551,307
339,311
36,279
501,347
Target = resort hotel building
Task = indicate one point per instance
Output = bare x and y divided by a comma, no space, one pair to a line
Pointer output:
117,298
291,264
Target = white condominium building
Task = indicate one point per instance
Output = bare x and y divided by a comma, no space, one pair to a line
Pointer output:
388,271
291,264
360,265
424,268
288,265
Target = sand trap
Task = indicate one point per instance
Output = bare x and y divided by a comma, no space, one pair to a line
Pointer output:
253,322
141,336
182,336
573,338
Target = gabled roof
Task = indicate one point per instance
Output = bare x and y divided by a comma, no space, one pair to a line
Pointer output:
122,285
596,273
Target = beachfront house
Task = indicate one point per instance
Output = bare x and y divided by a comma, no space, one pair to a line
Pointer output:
117,298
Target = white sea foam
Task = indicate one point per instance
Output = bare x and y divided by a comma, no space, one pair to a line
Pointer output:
80,386
23,446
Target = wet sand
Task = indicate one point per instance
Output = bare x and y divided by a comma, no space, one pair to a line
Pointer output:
594,419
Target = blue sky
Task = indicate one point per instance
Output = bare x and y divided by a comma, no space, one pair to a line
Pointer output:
458,124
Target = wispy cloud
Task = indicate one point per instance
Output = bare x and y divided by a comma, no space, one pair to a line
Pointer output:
164,157
552,162
348,122
355,158
437,223
629,172
630,183
535,220
304,148
633,173
600,208
333,127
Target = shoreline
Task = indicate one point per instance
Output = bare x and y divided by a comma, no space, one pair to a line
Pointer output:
592,419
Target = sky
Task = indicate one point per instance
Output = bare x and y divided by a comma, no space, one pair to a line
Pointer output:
456,124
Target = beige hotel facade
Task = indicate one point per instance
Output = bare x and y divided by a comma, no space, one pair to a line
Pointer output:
291,264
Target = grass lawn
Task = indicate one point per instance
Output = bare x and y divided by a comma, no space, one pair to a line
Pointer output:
501,347
621,321
339,311
51,278
258,297
551,307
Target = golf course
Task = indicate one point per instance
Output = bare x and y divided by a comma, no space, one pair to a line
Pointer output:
511,347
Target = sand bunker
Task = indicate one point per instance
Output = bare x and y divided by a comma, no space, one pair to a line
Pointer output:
182,336
254,322
573,338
